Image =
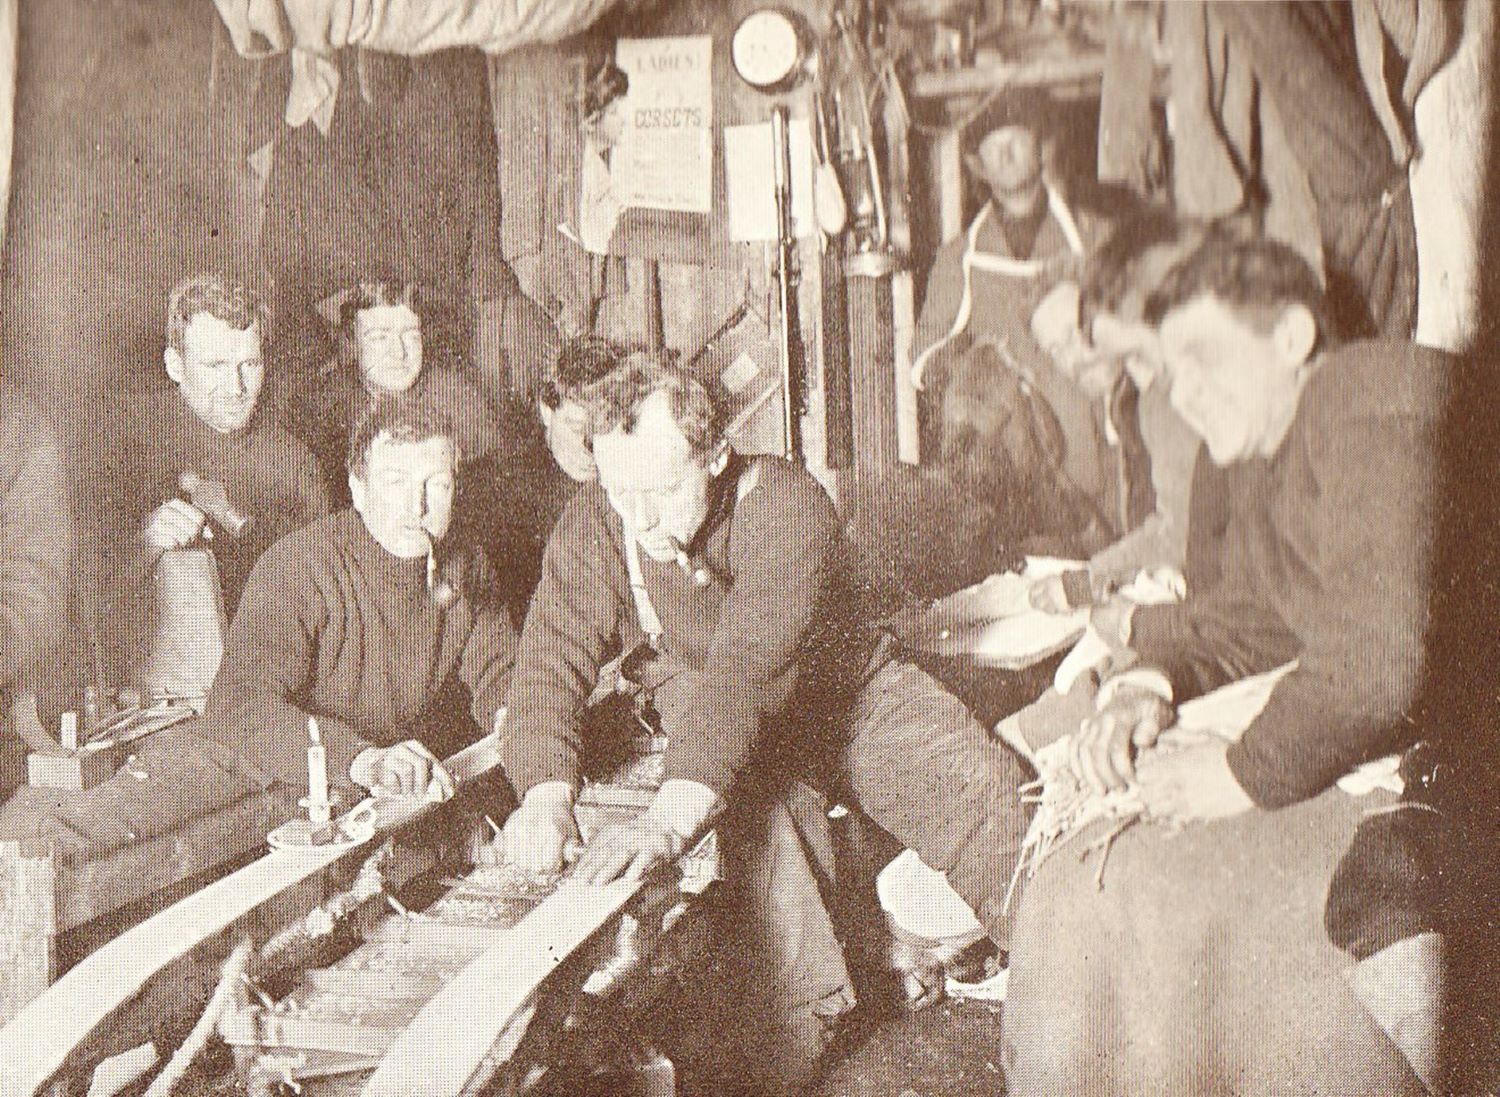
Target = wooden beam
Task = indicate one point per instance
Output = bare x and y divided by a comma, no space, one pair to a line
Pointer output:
28,925
946,170
998,75
94,889
873,381
833,314
903,339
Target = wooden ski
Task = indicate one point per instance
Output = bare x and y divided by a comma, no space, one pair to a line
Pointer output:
483,1012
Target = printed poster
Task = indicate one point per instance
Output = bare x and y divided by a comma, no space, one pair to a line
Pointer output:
666,153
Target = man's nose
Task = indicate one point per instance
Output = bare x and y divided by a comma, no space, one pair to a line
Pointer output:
239,382
644,514
413,503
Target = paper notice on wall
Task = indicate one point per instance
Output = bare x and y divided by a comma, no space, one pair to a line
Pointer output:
665,156
750,175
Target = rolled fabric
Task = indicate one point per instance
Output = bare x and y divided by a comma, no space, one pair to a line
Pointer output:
188,640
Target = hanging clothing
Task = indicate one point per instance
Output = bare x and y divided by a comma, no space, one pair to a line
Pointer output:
1278,58
314,30
403,189
1228,140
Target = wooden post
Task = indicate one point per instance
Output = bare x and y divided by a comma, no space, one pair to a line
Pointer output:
656,337
838,412
28,924
948,183
904,335
872,378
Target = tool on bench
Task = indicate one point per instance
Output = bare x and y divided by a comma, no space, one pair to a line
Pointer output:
70,762
211,497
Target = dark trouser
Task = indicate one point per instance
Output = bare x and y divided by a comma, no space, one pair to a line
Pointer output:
777,860
921,767
918,765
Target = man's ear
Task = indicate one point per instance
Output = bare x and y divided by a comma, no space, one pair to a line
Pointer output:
1296,334
357,492
720,460
172,359
546,413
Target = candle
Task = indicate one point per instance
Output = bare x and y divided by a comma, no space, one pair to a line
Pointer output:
67,731
318,808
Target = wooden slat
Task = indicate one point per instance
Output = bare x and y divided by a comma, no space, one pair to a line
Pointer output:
432,937
365,1037
378,985
28,925
990,77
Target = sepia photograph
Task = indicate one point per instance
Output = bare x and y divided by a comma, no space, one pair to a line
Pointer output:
749,548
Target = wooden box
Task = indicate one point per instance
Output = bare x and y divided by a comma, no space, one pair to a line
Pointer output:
75,769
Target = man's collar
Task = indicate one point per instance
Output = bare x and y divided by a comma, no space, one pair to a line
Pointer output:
723,494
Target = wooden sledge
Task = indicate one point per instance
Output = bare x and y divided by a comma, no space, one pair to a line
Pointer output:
286,903
41,1040
483,989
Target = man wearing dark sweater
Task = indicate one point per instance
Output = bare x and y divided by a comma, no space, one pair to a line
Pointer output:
385,349
363,620
209,430
1327,553
766,667
367,619
1326,557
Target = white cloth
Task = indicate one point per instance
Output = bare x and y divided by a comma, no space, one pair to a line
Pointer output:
920,901
314,30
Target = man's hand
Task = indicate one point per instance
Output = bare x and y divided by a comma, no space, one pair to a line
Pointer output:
629,851
1112,622
1049,595
1102,751
538,833
656,837
1191,784
172,525
408,769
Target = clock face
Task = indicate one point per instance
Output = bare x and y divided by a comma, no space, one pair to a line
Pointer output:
766,48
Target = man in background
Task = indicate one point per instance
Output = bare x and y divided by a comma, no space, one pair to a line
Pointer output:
199,472
986,283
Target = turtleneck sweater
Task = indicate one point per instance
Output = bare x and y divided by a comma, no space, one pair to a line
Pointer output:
334,626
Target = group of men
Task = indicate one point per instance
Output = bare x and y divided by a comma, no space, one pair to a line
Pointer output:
724,593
